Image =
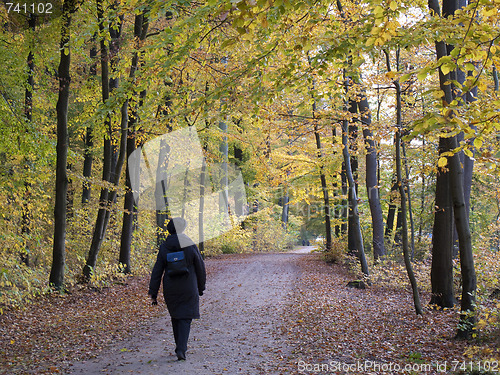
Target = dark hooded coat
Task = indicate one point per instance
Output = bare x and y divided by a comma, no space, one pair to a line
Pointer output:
181,292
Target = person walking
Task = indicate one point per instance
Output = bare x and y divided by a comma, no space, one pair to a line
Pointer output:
181,265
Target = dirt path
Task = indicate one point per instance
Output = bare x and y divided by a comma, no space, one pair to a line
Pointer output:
242,306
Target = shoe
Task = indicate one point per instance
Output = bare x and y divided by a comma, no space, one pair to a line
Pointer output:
181,356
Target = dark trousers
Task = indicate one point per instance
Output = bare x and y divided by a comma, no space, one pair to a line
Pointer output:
181,329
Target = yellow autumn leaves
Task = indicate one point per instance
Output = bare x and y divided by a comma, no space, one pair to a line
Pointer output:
386,25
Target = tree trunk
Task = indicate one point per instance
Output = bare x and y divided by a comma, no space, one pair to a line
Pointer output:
398,238
343,177
402,193
56,278
406,250
324,188
443,230
70,195
408,192
391,213
162,214
224,151
467,305
422,195
442,241
201,222
28,113
353,160
495,78
286,208
353,202
89,139
104,201
140,30
372,180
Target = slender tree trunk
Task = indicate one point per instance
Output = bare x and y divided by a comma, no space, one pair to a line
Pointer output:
408,193
335,187
28,113
398,233
140,31
56,278
162,214
89,138
406,250
70,195
353,160
286,208
495,78
422,196
201,221
402,193
115,33
224,151
104,206
343,177
324,188
391,213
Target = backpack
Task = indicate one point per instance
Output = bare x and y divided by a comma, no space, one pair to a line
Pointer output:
176,264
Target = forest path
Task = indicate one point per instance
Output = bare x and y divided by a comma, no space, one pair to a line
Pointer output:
242,306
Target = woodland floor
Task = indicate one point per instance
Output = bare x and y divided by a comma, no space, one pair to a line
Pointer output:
286,313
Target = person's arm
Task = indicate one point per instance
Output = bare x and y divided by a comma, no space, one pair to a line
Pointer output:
199,267
156,275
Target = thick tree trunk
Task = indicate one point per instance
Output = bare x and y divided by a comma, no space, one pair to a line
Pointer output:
467,306
372,180
56,278
442,235
442,241
353,202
